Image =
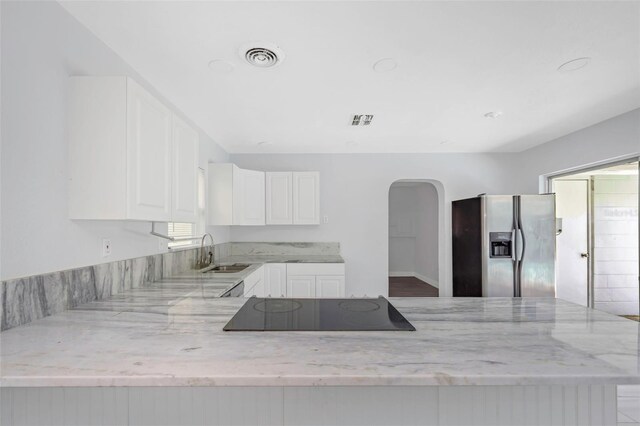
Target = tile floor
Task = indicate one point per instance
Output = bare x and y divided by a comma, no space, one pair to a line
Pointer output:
628,405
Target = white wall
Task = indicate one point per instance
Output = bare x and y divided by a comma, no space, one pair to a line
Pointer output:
427,253
413,231
611,139
42,45
354,191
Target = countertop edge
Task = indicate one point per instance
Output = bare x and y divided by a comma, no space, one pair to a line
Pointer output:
313,381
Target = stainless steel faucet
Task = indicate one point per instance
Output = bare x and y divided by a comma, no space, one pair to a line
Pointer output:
206,259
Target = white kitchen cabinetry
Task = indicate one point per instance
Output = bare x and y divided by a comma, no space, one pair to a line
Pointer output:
254,283
279,198
328,286
122,154
184,199
321,280
275,280
306,198
236,196
292,198
301,286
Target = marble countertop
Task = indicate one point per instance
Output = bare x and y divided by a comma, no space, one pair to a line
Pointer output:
170,334
220,283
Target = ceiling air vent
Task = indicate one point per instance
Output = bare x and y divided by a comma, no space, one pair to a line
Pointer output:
262,55
362,120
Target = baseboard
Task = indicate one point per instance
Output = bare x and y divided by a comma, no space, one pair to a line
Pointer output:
432,282
402,274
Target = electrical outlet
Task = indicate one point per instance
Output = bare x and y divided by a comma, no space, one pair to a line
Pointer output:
325,219
106,247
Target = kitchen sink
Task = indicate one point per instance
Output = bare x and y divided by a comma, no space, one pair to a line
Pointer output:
229,269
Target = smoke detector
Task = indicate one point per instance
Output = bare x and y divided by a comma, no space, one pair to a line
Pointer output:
362,119
262,54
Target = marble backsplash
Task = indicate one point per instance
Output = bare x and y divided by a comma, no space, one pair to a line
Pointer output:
279,249
27,299
23,300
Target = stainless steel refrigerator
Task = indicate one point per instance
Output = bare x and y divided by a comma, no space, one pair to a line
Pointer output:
504,245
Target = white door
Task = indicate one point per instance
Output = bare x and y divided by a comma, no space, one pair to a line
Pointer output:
248,197
330,286
279,198
185,167
301,286
148,156
275,280
306,198
572,266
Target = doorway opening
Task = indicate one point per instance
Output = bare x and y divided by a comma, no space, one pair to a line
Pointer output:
597,245
413,239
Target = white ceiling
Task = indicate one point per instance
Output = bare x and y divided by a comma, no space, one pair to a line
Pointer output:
456,61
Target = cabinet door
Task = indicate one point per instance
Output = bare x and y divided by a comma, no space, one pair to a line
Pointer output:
148,156
248,197
275,280
258,289
301,286
185,168
330,286
279,198
306,198
254,283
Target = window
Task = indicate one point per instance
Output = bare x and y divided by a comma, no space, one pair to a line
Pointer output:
180,229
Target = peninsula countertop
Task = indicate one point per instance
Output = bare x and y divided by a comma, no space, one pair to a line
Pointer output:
170,334
216,284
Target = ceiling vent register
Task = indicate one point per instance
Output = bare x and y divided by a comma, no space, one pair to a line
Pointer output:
262,57
362,120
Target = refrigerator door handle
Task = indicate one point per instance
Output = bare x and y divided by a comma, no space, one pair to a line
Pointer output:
514,246
523,244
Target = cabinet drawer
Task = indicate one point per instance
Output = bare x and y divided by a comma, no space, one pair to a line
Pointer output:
294,269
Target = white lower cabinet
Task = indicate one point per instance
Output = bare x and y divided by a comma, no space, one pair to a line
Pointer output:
301,286
301,280
330,286
275,280
254,283
321,280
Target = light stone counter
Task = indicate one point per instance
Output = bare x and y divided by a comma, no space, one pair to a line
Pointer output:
170,334
219,283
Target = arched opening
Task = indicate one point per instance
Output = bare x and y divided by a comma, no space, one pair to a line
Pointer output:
414,239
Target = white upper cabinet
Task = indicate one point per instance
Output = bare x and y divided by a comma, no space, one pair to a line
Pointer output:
306,198
249,197
236,196
279,198
129,156
186,145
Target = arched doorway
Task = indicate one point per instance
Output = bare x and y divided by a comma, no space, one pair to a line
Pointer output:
414,239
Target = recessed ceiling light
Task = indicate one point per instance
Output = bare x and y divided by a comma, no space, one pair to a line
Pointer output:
574,64
264,143
385,65
493,114
220,66
262,54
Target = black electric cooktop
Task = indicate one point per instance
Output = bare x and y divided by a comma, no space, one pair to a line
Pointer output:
274,314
